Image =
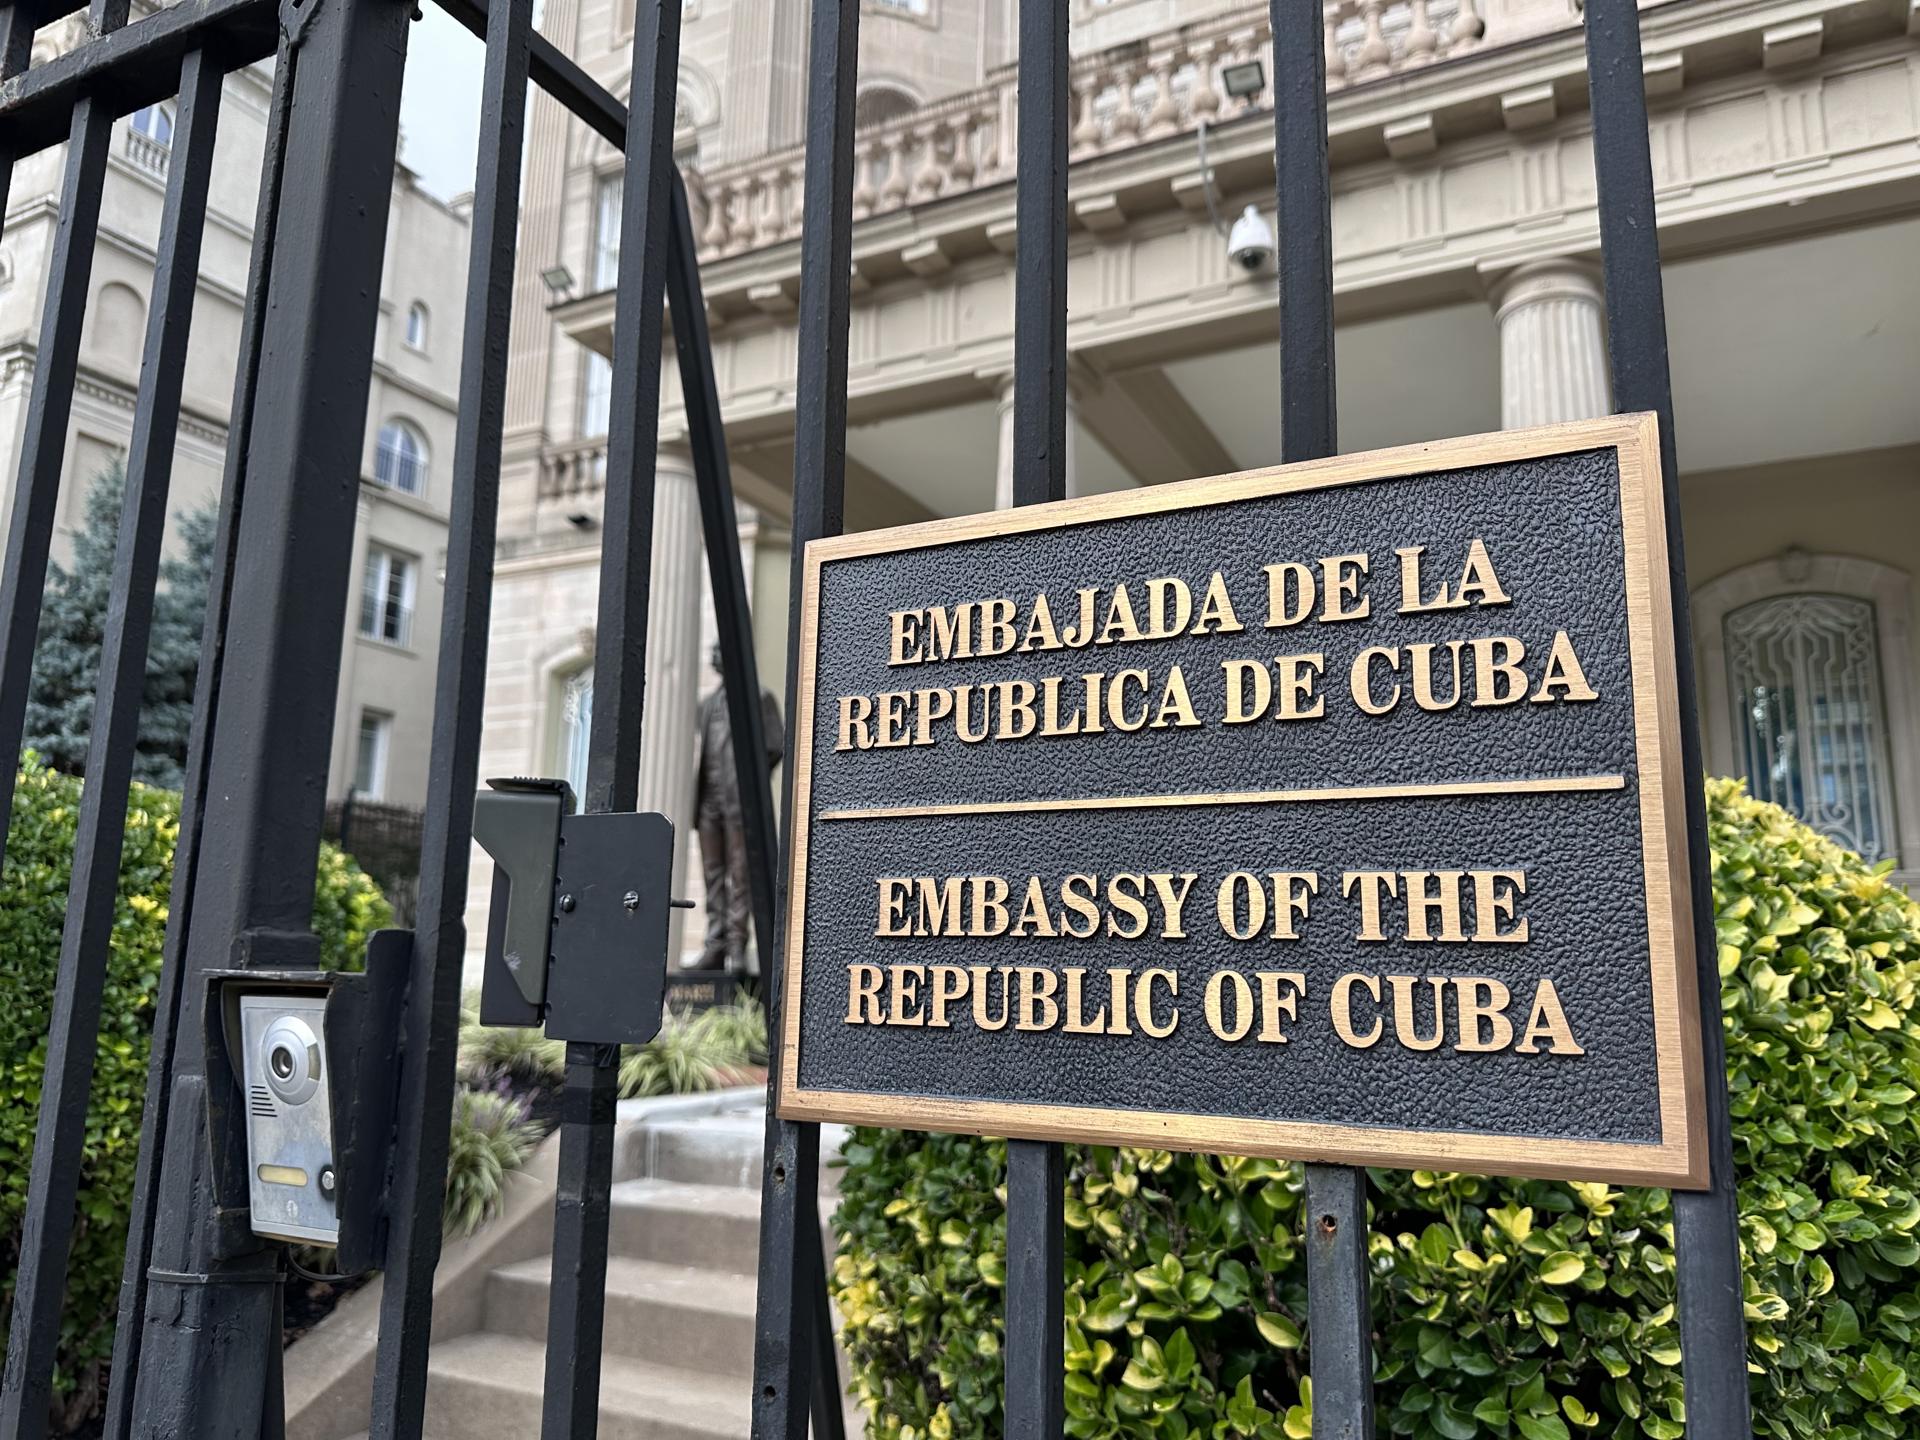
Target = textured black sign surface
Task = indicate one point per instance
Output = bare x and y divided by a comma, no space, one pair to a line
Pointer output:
1320,811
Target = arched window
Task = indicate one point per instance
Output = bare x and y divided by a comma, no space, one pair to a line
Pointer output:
155,122
877,104
417,326
576,729
400,462
1803,674
1809,690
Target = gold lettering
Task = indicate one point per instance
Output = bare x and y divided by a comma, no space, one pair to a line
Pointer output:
1169,606
963,713
952,632
893,719
1360,681
1017,719
939,908
1490,906
1076,894
1175,702
949,985
1341,1007
1050,709
1041,634
1034,917
990,916
996,627
1373,885
982,1017
1444,901
856,733
1563,670
1548,1019
1143,1003
1119,625
892,919
1116,701
1226,905
905,649
1242,1005
1477,998
1404,1029
1340,576
1216,610
1274,1003
1298,674
1478,583
863,994
1037,988
1077,1024
1079,635
1420,662
1172,903
1290,594
1131,904
1242,675
929,706
1498,681
1287,904
904,993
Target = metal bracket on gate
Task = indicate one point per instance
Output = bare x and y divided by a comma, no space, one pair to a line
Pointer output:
577,926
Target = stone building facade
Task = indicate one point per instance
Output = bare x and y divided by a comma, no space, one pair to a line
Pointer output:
1786,153
382,722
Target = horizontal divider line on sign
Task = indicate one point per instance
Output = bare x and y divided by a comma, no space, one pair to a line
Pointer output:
1440,789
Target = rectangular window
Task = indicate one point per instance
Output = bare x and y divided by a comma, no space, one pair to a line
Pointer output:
370,760
386,596
606,232
596,395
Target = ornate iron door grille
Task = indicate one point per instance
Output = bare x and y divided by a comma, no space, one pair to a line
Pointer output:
197,1347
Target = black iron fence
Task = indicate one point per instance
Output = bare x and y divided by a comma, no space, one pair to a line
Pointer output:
197,1348
384,840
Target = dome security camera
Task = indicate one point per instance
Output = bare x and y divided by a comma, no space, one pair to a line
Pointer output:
1250,242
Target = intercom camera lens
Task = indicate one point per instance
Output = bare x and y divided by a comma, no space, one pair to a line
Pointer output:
282,1062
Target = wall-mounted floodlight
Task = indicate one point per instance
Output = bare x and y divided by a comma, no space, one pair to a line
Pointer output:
1244,80
558,280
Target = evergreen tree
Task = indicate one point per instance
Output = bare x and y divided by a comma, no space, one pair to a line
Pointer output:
73,621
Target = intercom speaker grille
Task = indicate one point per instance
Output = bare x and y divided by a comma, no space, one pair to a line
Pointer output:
260,1102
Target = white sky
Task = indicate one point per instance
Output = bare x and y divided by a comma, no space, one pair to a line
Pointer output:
440,103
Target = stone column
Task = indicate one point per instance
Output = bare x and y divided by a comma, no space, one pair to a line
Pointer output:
1553,349
674,664
1003,482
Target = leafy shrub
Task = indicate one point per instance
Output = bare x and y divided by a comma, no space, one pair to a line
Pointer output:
490,1139
33,904
1504,1308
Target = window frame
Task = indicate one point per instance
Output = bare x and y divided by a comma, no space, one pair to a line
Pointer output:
421,458
418,312
164,112
1891,593
378,604
382,720
603,261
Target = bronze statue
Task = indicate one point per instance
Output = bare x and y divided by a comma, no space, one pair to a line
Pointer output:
723,831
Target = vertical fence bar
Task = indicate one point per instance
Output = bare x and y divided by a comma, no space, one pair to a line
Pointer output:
1339,1318
785,1322
720,524
206,685
583,1199
1036,1169
17,23
432,1017
95,884
43,441
206,1356
1713,1337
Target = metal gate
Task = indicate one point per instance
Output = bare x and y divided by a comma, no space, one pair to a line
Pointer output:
197,1347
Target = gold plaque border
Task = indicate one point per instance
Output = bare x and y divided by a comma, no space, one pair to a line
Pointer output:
1679,1161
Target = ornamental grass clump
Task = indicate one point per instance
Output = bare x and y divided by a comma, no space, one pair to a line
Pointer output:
1502,1308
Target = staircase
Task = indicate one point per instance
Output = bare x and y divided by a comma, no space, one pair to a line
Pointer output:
677,1363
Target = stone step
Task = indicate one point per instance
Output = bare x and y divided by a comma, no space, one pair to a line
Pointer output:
673,1315
716,1227
719,1149
488,1387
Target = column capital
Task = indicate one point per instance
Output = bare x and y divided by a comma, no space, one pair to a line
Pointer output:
1557,277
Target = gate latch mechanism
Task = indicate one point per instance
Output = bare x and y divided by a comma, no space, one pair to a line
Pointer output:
577,926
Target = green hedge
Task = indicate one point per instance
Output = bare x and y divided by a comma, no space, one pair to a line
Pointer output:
33,902
1501,1307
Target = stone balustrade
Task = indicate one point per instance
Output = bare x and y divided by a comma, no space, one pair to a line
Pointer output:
1131,94
577,469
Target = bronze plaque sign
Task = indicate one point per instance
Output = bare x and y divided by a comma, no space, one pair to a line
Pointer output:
1329,811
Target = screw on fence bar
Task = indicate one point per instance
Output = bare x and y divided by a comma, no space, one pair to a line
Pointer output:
1338,1306
1707,1222
1036,1170
786,1331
